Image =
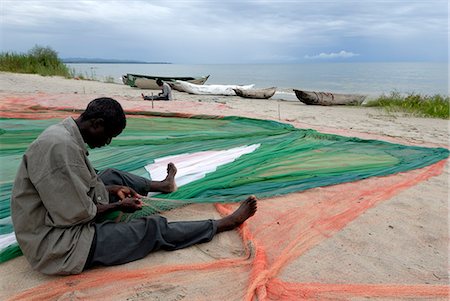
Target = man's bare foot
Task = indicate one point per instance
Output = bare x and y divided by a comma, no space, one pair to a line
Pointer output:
170,178
245,211
143,96
167,185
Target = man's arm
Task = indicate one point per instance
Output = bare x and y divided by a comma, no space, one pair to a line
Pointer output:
165,90
65,195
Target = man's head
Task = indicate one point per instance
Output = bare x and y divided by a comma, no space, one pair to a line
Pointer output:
159,82
102,120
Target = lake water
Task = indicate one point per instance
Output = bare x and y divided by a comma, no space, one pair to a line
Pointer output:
366,78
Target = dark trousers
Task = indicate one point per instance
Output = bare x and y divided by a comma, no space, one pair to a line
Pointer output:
156,97
118,243
113,176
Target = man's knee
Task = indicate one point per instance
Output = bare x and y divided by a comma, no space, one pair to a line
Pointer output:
111,176
108,171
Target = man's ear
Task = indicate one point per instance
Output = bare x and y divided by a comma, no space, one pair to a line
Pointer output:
98,123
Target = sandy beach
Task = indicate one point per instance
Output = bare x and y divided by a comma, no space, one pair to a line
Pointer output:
396,248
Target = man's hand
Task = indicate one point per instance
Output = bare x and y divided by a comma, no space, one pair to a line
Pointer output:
123,192
130,205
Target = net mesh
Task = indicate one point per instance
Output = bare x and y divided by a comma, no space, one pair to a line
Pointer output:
273,239
288,161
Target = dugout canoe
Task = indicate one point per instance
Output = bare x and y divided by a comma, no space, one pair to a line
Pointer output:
256,93
149,81
191,88
328,99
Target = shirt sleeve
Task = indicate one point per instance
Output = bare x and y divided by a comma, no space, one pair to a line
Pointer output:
165,90
67,195
65,183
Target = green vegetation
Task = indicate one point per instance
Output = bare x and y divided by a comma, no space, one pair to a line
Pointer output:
82,76
43,61
39,60
436,106
109,79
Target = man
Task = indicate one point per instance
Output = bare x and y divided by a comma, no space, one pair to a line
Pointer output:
165,94
57,196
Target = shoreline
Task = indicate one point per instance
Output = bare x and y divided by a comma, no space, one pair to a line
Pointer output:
372,79
359,121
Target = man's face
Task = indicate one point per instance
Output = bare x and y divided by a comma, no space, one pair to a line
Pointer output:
101,135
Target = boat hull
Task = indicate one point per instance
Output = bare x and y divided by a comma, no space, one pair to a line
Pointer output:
149,82
256,93
190,88
328,99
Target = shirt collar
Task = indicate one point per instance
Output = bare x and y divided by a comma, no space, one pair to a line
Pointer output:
72,127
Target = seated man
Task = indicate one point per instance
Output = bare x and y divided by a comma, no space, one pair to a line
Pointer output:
57,196
165,94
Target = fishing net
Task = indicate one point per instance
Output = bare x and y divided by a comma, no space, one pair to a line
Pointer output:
283,230
284,159
268,159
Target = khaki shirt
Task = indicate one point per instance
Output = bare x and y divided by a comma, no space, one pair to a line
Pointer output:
166,91
53,201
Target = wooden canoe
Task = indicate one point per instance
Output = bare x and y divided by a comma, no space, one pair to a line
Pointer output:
328,99
149,81
256,93
190,88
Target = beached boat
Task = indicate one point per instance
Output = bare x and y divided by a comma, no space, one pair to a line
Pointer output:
328,99
256,93
190,88
149,81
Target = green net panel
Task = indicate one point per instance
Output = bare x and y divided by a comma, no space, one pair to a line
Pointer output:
288,159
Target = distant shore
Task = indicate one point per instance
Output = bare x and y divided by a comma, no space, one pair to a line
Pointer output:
105,61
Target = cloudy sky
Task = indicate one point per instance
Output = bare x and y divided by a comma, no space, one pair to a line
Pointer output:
221,31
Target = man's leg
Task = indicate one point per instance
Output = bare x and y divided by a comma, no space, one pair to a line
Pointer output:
144,97
118,243
167,185
142,185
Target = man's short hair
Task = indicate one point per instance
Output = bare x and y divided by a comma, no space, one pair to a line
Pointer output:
159,82
109,110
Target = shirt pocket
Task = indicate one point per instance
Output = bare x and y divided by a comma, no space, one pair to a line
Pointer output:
97,191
